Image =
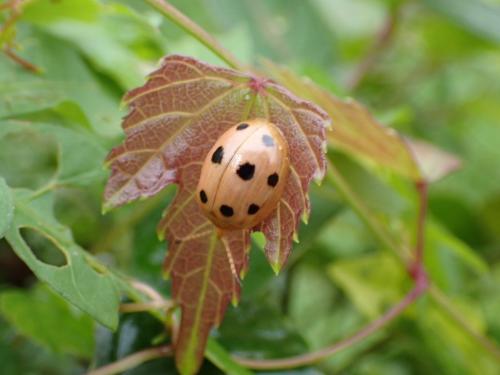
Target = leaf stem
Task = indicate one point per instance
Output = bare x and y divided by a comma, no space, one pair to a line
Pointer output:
310,358
157,301
133,360
144,306
417,266
184,22
149,291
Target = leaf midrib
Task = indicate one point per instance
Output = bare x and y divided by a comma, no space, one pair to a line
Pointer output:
193,337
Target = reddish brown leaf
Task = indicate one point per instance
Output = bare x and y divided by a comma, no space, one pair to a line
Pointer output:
175,119
202,281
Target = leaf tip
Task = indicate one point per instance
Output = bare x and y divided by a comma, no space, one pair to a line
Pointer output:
328,124
305,217
324,146
295,237
276,266
105,208
243,273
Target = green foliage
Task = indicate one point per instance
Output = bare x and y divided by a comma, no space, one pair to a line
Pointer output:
56,325
435,79
81,280
6,207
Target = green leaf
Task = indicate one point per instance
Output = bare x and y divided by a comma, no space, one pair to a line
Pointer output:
6,207
311,296
266,333
79,155
57,326
475,15
28,158
108,36
221,358
450,346
82,280
21,356
47,11
448,258
65,77
373,282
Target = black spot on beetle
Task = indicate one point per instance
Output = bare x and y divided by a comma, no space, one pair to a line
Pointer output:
227,211
268,140
203,196
246,171
242,126
272,180
218,155
252,209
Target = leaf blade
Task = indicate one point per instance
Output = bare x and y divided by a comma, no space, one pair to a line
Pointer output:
82,281
6,207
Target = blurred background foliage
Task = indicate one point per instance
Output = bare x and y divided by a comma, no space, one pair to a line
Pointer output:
432,72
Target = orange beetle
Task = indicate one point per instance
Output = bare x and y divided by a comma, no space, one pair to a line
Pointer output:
243,175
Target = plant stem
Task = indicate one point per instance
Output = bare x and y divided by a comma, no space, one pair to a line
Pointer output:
382,41
181,20
19,60
418,263
144,306
310,358
133,360
149,291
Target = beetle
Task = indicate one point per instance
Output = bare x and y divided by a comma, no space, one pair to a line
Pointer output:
243,175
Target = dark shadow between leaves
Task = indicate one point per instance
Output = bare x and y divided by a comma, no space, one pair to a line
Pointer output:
43,248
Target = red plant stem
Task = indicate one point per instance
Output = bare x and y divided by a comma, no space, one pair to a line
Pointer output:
305,359
383,40
15,12
417,267
133,360
19,60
